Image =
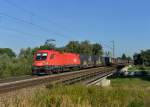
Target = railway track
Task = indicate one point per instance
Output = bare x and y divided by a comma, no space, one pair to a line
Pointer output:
15,78
64,78
83,76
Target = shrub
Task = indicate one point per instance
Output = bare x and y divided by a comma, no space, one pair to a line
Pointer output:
13,66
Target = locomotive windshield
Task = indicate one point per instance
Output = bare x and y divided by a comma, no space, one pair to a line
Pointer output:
41,56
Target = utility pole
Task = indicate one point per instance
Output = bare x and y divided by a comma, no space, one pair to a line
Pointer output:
113,49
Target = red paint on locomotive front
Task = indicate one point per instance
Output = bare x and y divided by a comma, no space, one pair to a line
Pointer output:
55,58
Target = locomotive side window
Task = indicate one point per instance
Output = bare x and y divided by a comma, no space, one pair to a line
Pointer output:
52,56
41,56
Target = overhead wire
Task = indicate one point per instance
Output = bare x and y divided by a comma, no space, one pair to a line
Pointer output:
30,12
16,30
106,45
33,14
19,7
33,24
24,33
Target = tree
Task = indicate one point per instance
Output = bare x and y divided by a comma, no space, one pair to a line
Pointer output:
26,56
7,51
138,60
146,57
73,46
124,57
97,49
129,58
142,58
26,53
85,48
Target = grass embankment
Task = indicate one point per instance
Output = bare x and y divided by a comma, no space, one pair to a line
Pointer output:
124,92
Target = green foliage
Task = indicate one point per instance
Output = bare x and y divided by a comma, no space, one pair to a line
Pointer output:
13,66
10,65
124,92
142,58
97,49
7,51
84,47
146,57
124,56
26,53
138,60
140,68
73,46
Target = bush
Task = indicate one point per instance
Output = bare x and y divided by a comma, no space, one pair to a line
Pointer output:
12,66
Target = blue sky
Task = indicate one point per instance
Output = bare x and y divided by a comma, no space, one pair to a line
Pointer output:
127,22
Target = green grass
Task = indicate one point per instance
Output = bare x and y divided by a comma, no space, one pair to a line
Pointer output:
140,82
139,68
123,92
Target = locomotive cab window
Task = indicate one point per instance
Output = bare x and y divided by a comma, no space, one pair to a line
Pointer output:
41,56
52,56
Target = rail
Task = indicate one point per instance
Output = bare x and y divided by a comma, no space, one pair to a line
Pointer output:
64,78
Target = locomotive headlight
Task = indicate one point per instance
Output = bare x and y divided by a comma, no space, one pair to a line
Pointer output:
46,63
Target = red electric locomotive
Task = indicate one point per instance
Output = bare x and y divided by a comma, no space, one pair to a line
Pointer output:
50,61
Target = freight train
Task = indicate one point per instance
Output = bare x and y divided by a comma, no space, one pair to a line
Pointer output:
51,61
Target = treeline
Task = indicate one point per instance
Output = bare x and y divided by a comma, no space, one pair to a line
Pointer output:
142,58
124,57
84,47
12,64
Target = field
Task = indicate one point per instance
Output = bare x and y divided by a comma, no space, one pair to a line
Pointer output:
139,68
123,92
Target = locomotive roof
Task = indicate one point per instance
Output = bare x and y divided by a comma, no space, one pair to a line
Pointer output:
49,51
46,51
